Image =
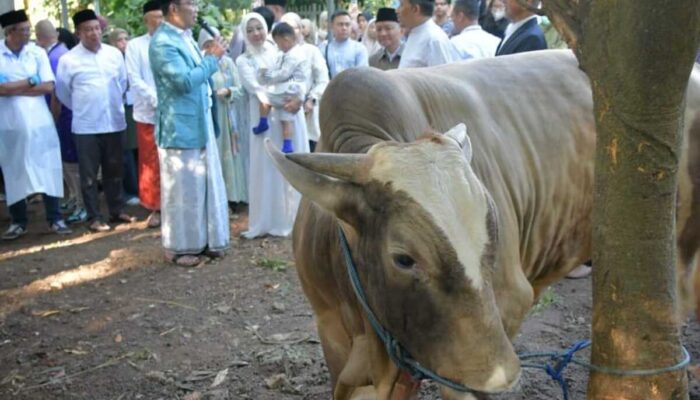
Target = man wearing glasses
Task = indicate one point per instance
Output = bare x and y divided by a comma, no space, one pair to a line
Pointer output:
30,155
194,207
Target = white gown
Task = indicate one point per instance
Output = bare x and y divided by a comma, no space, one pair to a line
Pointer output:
273,202
30,155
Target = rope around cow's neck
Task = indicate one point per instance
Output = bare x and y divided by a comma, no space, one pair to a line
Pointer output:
405,362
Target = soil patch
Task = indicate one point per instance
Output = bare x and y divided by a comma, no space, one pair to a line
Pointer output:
103,316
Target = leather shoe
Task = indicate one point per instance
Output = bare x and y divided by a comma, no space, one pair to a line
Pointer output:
123,218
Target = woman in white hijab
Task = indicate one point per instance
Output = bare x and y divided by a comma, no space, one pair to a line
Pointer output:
233,152
272,201
316,79
369,38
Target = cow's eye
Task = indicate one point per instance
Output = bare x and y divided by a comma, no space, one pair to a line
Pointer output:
404,261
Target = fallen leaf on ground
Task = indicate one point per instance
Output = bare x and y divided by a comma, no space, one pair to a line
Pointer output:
193,396
276,381
157,376
223,309
239,363
78,352
220,378
280,337
45,313
198,376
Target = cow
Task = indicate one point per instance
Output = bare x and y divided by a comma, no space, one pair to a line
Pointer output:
464,190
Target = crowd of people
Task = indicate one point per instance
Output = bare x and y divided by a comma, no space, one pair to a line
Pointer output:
179,125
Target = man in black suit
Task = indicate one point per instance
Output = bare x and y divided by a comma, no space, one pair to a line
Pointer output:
523,33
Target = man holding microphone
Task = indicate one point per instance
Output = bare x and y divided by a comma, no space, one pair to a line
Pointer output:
194,206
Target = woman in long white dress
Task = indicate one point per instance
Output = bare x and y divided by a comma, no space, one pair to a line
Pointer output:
273,202
316,79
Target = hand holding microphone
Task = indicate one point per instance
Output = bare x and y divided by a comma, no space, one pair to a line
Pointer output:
217,47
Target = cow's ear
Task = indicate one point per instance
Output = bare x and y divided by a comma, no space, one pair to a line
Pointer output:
325,179
459,135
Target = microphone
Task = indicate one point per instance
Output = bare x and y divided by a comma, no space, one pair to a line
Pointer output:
205,25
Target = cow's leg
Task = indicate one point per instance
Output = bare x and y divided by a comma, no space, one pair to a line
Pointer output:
337,349
354,373
388,380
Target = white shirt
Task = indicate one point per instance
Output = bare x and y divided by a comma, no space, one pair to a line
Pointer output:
475,42
317,80
427,45
141,82
93,86
513,26
344,55
289,74
31,60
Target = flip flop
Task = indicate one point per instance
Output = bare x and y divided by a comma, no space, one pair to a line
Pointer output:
184,260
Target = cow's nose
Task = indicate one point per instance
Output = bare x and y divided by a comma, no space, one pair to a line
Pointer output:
503,377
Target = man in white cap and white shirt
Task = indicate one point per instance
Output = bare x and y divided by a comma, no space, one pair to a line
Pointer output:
143,87
30,154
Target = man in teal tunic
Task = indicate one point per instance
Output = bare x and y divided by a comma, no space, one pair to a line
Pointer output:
194,207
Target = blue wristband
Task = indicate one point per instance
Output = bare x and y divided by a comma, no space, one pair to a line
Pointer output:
34,80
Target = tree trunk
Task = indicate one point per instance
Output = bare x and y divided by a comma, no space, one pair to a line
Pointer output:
638,56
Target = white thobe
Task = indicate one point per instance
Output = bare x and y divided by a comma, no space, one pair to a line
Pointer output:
427,45
30,154
474,42
141,81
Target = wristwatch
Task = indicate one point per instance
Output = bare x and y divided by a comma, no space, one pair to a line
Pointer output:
32,81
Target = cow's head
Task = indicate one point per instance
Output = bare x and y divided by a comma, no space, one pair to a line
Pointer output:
423,234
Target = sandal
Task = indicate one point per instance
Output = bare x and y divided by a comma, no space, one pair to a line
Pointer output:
184,260
123,218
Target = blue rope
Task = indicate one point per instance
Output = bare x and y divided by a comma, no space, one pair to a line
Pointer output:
566,357
405,362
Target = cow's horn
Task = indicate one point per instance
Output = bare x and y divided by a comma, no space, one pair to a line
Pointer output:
459,134
327,192
348,167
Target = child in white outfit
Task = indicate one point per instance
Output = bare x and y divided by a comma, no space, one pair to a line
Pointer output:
285,80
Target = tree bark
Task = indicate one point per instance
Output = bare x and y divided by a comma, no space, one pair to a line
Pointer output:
638,56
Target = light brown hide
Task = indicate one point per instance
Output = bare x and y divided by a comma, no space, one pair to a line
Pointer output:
530,121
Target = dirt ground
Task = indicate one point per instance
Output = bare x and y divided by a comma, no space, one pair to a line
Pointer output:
102,316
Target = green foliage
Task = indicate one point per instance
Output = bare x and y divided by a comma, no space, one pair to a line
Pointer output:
271,263
127,14
547,299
